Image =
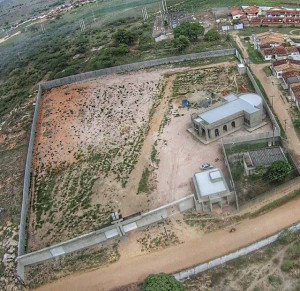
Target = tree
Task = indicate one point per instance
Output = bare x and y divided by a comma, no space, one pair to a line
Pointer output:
181,43
122,49
124,36
212,35
161,282
146,41
192,30
278,171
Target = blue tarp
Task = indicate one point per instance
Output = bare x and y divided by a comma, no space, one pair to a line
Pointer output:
185,103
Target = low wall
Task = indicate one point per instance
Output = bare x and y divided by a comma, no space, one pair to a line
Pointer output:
185,274
102,235
136,66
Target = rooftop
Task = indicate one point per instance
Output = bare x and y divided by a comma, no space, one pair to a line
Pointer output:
210,182
286,65
267,156
296,90
244,103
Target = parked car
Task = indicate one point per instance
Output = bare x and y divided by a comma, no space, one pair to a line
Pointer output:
206,166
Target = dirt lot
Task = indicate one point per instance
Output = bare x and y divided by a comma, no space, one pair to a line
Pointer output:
99,143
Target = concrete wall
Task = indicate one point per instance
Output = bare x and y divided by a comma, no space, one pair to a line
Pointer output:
185,274
136,66
102,235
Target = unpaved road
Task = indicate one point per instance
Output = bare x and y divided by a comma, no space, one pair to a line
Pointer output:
132,268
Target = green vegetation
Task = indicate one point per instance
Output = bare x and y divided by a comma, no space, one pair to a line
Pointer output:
181,43
254,55
212,35
162,282
296,120
267,71
192,30
239,148
144,182
279,171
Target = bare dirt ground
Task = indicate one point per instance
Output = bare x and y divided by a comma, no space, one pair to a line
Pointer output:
133,267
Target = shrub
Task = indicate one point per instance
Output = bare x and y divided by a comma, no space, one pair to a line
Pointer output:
181,43
212,35
161,282
192,30
124,36
146,41
278,171
287,266
122,49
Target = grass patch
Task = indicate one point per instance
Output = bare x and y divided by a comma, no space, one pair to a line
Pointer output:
296,120
144,182
276,203
245,147
254,55
267,71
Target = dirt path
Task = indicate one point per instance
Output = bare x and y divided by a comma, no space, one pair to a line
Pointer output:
240,44
280,105
194,251
157,118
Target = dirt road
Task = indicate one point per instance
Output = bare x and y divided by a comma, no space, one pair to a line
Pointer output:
131,268
280,105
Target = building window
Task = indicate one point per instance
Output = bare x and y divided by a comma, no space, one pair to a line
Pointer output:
233,124
225,128
203,132
217,132
247,121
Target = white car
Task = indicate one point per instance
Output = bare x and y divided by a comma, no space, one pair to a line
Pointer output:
206,166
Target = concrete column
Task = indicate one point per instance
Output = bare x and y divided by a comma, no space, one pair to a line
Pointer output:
206,134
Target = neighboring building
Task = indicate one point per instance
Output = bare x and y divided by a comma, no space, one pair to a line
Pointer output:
211,187
263,157
279,52
295,94
284,66
237,12
244,111
290,78
268,40
251,12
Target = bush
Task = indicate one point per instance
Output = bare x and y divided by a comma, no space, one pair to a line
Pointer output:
122,49
192,30
287,266
181,43
278,171
146,41
124,36
246,38
212,35
161,282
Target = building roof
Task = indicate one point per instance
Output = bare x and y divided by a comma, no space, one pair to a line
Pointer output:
270,37
210,182
251,10
290,76
245,103
286,65
267,156
296,90
279,50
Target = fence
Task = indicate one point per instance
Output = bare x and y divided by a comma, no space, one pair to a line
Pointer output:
136,66
99,236
185,274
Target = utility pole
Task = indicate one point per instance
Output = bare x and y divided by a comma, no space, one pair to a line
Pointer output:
43,28
285,124
82,25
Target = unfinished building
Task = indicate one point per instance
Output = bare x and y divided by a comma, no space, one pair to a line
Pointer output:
236,112
211,187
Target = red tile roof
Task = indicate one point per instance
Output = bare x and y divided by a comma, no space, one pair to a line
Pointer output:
290,74
296,91
251,10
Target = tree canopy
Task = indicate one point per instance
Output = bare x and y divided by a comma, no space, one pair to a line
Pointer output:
192,30
161,282
181,43
278,171
212,35
124,36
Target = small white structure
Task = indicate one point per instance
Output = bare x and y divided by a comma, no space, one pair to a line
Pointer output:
210,187
241,69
